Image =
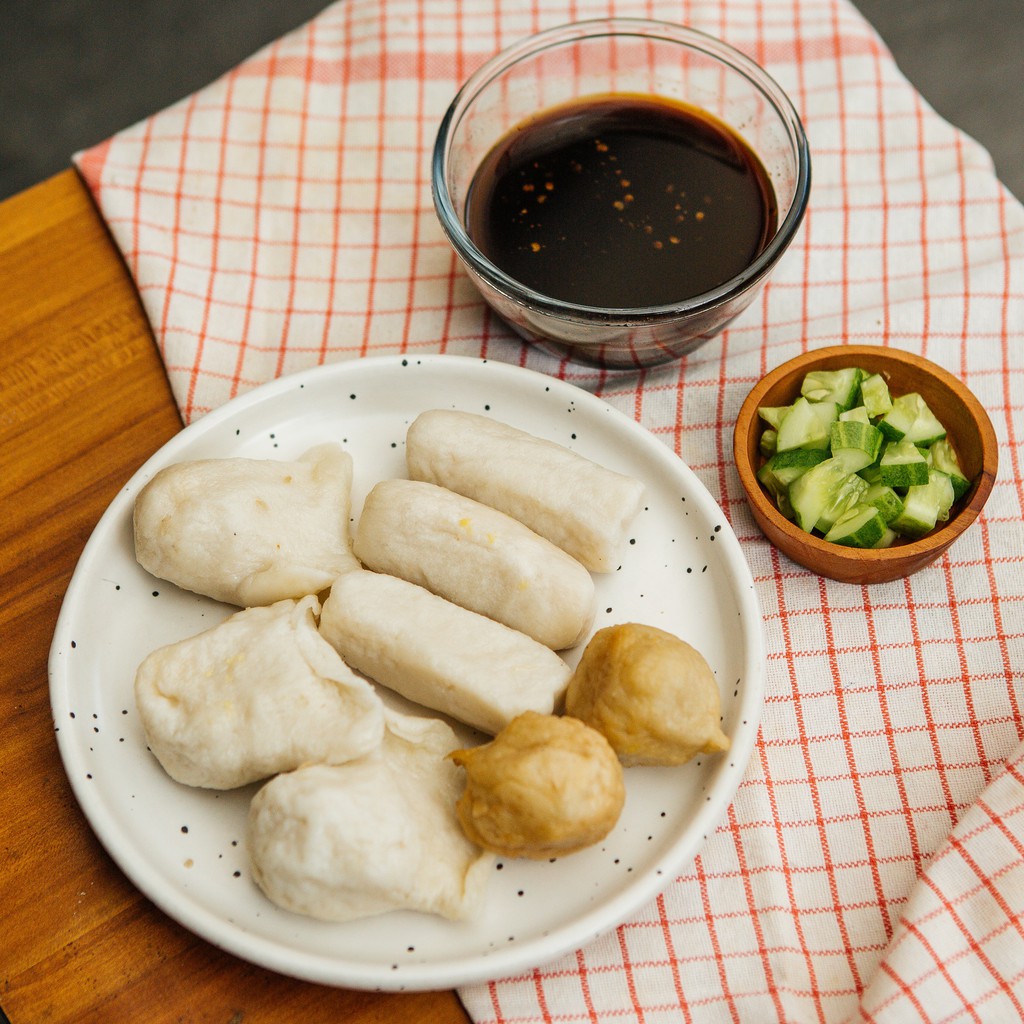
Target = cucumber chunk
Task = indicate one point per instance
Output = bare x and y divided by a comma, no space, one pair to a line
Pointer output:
887,539
848,494
858,444
814,491
911,418
769,442
861,526
773,414
858,414
942,457
838,386
903,465
943,487
885,499
899,419
806,425
923,505
779,472
926,429
874,395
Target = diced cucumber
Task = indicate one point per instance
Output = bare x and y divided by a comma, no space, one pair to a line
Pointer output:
858,414
926,429
849,461
772,414
885,499
788,465
887,539
806,425
785,505
943,485
845,497
903,465
860,526
839,386
874,395
812,492
899,419
911,418
922,506
779,472
942,457
857,444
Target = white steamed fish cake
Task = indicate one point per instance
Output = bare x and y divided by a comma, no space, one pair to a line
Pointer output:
249,531
477,557
260,693
583,508
370,836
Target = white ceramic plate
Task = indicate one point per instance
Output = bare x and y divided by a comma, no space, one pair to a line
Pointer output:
185,849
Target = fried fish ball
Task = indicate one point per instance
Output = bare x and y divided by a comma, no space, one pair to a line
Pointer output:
649,693
545,786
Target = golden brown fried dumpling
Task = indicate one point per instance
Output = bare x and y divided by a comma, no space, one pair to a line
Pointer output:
249,531
258,694
652,695
373,835
545,786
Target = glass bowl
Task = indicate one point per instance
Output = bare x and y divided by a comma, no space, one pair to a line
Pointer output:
616,56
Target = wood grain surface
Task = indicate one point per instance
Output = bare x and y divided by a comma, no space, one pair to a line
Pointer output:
83,403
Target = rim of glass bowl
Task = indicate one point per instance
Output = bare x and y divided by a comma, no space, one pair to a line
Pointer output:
597,28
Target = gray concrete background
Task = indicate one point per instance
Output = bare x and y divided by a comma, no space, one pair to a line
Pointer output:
73,72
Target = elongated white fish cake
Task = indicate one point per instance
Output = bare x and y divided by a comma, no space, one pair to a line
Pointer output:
258,694
249,531
440,655
583,508
477,557
370,836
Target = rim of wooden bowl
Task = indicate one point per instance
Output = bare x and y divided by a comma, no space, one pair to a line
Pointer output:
854,565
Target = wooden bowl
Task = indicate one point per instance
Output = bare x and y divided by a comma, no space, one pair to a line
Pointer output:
969,431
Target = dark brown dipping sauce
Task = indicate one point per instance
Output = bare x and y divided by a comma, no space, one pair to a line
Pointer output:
621,201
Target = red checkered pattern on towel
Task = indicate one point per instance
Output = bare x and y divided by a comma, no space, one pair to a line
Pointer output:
871,866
